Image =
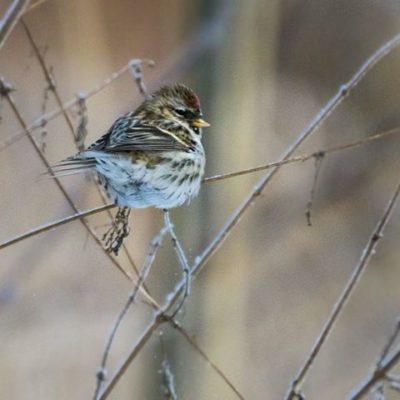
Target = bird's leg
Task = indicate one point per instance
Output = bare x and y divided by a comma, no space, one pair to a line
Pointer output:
118,231
182,261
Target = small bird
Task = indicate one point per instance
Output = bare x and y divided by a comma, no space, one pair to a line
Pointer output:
152,156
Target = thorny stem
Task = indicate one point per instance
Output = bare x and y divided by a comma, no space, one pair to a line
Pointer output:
200,261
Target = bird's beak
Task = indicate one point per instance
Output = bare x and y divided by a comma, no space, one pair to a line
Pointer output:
200,123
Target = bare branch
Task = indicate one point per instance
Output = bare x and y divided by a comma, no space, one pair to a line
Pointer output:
36,147
182,261
10,19
389,344
168,379
66,106
318,163
135,67
49,77
154,245
383,367
358,143
55,224
79,136
34,5
366,255
201,352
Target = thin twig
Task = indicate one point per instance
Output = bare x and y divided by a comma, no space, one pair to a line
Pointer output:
66,106
366,255
11,17
358,143
55,224
182,261
394,382
135,66
168,379
201,352
151,255
36,147
379,392
81,130
48,76
34,5
376,376
318,163
201,260
79,135
389,344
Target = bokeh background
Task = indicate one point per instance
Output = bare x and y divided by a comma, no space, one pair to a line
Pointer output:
263,69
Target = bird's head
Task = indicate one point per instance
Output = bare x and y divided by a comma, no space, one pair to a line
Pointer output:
177,103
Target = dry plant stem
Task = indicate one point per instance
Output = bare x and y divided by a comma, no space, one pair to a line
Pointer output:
80,100
389,345
135,67
201,260
318,163
394,382
358,143
151,255
168,379
55,224
194,344
49,78
67,105
376,376
182,261
34,5
366,255
211,179
11,17
18,116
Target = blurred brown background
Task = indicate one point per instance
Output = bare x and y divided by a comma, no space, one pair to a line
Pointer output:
263,69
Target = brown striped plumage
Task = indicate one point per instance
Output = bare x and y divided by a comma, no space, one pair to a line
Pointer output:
152,156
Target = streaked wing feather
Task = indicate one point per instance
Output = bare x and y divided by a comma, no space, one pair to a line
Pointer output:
146,139
128,134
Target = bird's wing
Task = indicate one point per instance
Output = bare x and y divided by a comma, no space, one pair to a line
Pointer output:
128,134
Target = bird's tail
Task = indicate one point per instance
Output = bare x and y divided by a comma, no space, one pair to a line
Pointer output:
77,164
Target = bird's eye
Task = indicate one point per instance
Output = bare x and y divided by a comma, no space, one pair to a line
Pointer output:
196,130
180,111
